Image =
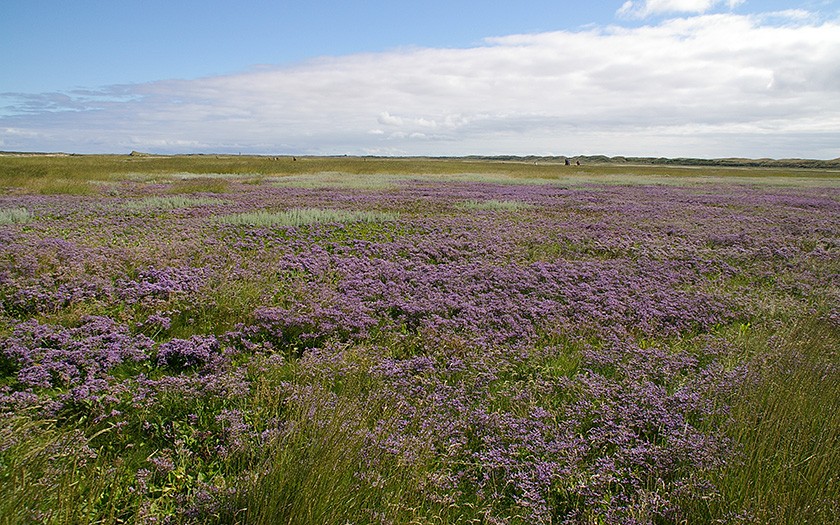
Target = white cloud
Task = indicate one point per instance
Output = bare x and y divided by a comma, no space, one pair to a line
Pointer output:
790,16
389,120
646,8
13,132
711,86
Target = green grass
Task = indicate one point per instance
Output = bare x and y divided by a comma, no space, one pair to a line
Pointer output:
785,420
303,216
14,216
310,475
200,185
62,186
72,174
57,479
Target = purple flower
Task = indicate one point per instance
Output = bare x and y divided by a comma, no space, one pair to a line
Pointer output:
187,353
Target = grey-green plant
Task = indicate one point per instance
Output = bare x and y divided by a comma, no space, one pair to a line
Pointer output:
303,216
170,202
494,204
14,216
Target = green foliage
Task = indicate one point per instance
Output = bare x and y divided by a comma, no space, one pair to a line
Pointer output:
785,419
51,476
311,474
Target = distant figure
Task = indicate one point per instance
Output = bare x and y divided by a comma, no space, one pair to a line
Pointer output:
294,158
577,163
567,163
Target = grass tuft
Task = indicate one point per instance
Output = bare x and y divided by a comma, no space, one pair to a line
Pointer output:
311,475
785,422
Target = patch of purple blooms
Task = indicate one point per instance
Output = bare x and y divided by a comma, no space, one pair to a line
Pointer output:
559,363
187,353
52,356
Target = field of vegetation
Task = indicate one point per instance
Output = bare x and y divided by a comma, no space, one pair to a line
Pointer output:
278,340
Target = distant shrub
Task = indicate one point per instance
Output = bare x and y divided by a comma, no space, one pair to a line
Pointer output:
303,216
14,216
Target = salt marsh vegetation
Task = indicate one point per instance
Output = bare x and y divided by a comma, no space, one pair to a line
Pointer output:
275,340
304,216
14,215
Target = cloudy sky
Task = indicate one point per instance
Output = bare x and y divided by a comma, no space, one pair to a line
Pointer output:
698,78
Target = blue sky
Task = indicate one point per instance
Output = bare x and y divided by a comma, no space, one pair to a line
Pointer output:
708,78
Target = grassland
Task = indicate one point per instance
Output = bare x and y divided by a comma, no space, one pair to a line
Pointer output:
73,174
226,339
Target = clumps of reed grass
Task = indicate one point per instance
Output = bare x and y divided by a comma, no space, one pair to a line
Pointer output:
170,202
14,216
785,423
494,204
303,216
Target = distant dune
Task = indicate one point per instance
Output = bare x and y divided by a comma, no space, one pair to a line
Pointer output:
559,159
677,161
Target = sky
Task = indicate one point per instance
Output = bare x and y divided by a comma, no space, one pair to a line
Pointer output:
670,78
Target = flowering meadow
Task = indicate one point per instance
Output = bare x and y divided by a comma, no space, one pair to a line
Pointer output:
495,347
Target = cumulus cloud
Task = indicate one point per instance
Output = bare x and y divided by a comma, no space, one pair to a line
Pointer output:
711,85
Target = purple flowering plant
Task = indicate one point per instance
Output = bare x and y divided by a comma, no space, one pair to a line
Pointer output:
570,359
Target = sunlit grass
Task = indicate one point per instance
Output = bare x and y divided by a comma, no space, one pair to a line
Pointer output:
311,475
62,187
57,480
70,174
785,424
200,185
